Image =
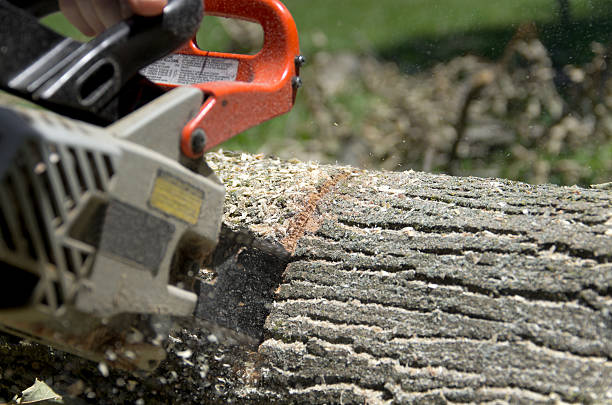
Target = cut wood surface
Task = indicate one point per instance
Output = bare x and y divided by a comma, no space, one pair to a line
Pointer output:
401,288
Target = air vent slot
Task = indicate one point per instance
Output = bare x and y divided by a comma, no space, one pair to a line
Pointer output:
47,185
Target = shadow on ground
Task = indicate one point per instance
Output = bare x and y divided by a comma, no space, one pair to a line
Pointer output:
567,44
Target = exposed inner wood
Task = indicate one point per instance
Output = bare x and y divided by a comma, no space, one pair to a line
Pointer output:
304,221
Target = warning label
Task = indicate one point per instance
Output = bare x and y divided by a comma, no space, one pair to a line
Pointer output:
191,69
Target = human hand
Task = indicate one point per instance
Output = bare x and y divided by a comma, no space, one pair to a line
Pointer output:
92,17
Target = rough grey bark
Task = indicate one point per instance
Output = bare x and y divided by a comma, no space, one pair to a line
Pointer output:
401,288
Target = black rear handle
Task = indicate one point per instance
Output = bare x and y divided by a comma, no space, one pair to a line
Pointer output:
38,8
96,81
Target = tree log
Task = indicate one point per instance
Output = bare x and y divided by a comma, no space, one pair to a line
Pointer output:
400,288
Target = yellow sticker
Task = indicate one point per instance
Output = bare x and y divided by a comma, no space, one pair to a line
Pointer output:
176,198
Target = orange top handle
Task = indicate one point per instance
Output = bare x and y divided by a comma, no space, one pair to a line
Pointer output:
244,90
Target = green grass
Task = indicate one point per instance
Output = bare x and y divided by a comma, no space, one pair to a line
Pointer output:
354,24
368,24
596,158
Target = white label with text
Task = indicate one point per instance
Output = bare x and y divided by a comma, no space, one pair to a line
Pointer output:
179,69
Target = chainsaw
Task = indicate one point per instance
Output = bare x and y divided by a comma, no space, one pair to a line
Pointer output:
107,205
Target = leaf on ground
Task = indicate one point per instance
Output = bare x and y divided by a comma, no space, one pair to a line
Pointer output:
39,393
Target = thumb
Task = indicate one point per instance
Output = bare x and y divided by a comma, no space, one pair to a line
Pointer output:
147,8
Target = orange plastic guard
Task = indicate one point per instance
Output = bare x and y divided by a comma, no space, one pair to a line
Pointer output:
241,90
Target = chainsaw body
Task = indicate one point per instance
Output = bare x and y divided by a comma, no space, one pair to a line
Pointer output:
99,225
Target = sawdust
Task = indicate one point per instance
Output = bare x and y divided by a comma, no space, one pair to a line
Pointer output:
285,189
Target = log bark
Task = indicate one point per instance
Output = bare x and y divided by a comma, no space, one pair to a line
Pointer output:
400,288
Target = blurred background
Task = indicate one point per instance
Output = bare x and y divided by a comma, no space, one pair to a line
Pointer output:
520,89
